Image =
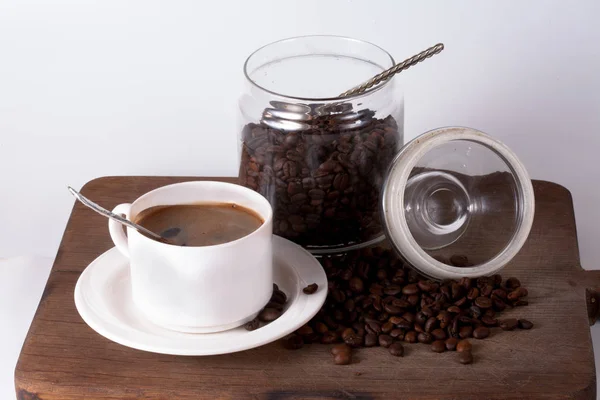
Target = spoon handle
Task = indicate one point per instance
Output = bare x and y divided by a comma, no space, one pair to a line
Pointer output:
103,211
388,73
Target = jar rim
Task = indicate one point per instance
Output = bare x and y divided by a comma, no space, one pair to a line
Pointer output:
318,99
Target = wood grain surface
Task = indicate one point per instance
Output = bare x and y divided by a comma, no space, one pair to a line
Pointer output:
62,358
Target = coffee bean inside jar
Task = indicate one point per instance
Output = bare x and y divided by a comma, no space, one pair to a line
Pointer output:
324,182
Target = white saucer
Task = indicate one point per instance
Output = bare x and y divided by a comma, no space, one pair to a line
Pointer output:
103,299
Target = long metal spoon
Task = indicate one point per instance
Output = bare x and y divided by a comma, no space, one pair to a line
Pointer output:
388,73
103,211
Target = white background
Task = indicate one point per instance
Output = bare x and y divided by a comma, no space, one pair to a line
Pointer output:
93,88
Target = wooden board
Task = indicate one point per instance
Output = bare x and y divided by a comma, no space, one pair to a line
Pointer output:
62,358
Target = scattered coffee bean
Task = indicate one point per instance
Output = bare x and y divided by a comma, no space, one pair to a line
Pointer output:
411,337
310,289
489,321
464,346
509,324
396,349
385,340
252,325
525,324
425,338
340,348
438,334
342,358
439,346
451,344
293,342
481,332
512,283
279,297
483,302
269,314
370,340
466,332
375,300
465,357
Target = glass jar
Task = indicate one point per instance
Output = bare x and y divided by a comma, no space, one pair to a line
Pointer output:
319,159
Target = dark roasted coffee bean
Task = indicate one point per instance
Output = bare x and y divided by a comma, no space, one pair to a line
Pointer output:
411,337
421,318
411,289
427,286
454,309
418,328
374,326
461,302
483,302
293,342
410,317
392,290
473,294
340,348
475,312
466,357
465,332
430,324
458,260
305,330
413,300
498,304
489,321
445,318
490,312
500,293
370,340
439,346
252,325
481,332
387,327
269,314
464,346
397,333
509,324
396,349
385,340
512,283
425,337
438,334
451,344
347,332
517,294
321,327
310,289
342,359
525,324
392,309
329,337
356,284
278,296
353,340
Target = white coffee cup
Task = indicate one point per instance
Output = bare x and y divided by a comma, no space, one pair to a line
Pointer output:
199,289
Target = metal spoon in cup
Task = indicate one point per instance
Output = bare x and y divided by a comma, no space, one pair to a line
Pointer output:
103,211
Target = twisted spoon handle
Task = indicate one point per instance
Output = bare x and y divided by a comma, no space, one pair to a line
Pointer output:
387,74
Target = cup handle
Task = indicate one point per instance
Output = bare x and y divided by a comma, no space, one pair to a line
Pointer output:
117,233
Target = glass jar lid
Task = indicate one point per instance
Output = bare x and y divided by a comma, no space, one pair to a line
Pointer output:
456,203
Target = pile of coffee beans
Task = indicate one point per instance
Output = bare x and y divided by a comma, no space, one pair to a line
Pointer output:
375,300
323,182
272,311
